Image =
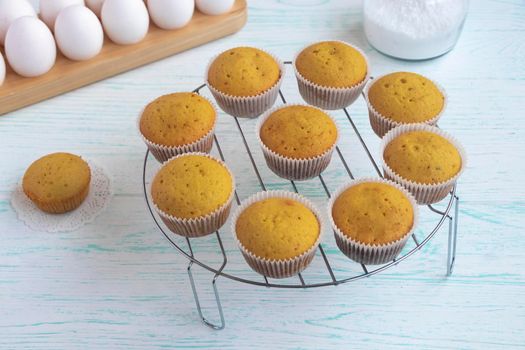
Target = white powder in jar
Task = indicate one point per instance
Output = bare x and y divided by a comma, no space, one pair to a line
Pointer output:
414,29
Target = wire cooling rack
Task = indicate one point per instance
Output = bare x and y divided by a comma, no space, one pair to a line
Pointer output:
449,213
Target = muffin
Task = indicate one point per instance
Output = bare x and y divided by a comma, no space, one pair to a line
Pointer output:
297,140
245,81
331,74
277,232
424,159
403,98
178,123
372,220
193,193
57,183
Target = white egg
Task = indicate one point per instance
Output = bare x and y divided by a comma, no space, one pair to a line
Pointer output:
125,21
30,47
2,69
49,9
95,6
171,14
11,10
78,33
214,7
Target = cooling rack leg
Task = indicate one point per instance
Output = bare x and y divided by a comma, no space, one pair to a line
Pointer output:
452,237
215,289
198,304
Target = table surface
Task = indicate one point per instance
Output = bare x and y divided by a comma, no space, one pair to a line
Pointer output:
117,283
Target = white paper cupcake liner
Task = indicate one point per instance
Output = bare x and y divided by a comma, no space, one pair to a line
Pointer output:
163,153
203,225
381,124
247,106
424,193
329,97
371,254
289,168
281,268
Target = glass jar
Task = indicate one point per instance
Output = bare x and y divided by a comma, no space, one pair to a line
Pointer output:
414,29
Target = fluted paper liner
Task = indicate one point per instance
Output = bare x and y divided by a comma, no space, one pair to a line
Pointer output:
381,124
63,206
290,168
325,97
247,106
278,268
424,193
370,254
202,225
162,153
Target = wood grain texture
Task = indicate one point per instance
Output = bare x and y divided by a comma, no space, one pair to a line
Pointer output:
67,75
117,284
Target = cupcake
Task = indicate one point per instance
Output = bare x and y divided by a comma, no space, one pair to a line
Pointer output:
372,220
57,183
193,193
403,98
178,123
297,140
277,232
331,74
424,159
245,81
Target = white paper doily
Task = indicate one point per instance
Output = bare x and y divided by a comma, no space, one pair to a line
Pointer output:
99,195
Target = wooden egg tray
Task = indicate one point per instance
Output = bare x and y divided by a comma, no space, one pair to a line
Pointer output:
67,75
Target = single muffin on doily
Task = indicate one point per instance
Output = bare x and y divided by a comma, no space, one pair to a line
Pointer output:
278,232
403,98
331,74
245,81
193,193
178,123
58,182
372,219
424,159
297,140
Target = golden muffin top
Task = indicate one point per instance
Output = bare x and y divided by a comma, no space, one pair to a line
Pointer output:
423,157
177,119
244,71
56,177
299,132
406,97
332,64
191,186
277,228
373,213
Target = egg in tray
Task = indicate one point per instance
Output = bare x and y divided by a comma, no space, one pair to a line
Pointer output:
77,28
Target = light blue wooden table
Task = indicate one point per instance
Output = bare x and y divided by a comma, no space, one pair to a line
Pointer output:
117,283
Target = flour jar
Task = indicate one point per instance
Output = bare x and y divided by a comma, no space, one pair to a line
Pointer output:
414,29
